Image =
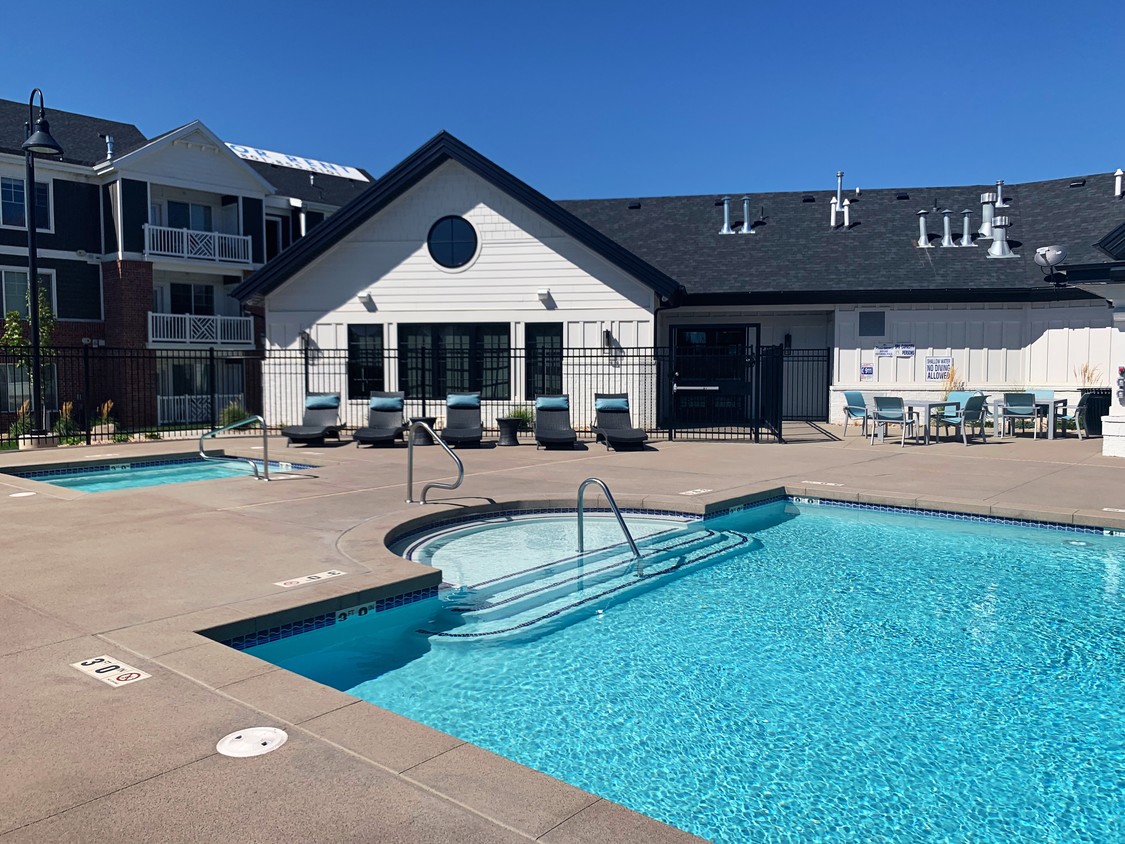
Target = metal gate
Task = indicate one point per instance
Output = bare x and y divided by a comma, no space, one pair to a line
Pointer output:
806,385
728,392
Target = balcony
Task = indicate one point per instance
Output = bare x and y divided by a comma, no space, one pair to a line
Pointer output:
187,329
197,246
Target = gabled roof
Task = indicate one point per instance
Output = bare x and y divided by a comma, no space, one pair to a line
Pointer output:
796,255
167,139
76,133
435,152
321,188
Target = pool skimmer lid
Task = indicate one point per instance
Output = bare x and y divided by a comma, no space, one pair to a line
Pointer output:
253,741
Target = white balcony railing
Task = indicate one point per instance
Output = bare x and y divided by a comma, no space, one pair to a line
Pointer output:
171,410
197,246
204,330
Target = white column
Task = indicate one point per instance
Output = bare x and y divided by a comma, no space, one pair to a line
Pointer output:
1113,426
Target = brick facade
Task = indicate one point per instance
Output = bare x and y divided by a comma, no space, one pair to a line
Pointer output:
127,297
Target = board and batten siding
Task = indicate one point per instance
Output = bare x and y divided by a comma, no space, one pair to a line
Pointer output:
1006,346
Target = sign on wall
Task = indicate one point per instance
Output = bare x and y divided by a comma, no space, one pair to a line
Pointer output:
884,350
937,368
894,350
867,372
904,350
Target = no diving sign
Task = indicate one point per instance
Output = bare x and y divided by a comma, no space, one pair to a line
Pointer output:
110,671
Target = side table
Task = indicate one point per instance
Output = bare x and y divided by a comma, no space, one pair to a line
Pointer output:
509,427
422,436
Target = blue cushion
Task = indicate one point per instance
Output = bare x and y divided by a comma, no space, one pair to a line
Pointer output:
330,402
467,401
552,403
385,403
611,404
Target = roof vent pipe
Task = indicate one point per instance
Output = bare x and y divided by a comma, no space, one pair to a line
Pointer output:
923,237
946,228
834,208
726,217
966,236
986,214
1000,203
999,247
1117,182
747,224
839,187
108,145
847,213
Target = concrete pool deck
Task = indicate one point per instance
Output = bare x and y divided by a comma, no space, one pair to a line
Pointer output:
135,574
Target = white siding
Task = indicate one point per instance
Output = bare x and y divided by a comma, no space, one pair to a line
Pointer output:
519,254
207,167
994,347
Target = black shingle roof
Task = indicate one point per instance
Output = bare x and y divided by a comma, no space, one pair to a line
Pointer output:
795,252
76,133
331,190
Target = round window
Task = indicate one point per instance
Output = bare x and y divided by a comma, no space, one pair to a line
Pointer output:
452,242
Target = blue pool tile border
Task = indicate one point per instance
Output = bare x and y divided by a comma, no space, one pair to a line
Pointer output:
326,619
94,466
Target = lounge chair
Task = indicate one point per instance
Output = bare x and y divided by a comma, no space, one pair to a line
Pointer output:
321,419
970,415
462,420
384,420
613,425
1077,416
1020,407
855,408
552,422
889,410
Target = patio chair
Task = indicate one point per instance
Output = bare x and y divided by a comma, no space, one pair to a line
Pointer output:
1020,407
462,420
1043,395
1077,416
552,422
321,419
855,408
889,410
959,396
613,426
384,420
971,414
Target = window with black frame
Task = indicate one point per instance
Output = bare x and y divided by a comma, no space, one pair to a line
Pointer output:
436,360
365,360
543,364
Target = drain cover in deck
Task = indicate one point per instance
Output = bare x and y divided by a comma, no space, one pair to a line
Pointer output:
253,741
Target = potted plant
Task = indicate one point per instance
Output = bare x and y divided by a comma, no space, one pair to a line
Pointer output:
21,430
104,425
66,428
524,415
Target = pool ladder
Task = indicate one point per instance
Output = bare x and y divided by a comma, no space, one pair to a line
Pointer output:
412,430
616,512
253,463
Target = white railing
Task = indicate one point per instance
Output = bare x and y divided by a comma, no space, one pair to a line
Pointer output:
197,246
172,410
208,330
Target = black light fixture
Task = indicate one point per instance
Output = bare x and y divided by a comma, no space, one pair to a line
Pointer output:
38,142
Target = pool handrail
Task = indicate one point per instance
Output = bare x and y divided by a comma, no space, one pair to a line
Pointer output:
616,512
253,463
411,430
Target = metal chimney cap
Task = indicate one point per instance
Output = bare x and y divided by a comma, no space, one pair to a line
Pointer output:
946,211
967,211
1001,222
1119,172
922,213
988,197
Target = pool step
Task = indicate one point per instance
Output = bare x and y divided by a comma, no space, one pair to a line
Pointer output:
521,600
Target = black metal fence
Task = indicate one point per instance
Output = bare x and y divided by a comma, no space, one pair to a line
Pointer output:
101,394
807,379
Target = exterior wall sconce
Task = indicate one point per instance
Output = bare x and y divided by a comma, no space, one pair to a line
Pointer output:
543,294
788,341
366,300
607,339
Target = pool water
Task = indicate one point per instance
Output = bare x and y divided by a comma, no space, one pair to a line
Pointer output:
851,676
125,475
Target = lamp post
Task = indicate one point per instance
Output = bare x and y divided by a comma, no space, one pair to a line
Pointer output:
41,142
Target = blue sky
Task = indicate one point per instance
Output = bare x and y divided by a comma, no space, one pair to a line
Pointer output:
601,99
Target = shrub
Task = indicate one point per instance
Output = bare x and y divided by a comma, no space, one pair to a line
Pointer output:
66,427
22,425
235,412
526,415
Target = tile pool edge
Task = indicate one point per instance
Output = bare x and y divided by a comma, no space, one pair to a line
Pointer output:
270,627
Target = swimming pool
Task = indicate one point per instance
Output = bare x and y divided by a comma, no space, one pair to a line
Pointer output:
849,675
124,474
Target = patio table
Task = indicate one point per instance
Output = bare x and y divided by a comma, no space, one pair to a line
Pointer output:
1049,406
926,409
